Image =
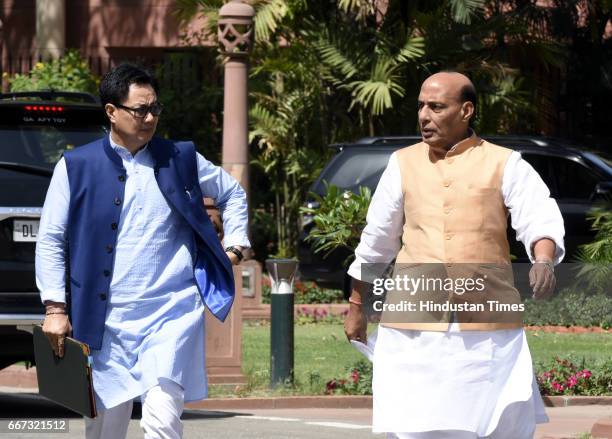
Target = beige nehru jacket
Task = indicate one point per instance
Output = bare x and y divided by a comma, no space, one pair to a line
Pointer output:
455,216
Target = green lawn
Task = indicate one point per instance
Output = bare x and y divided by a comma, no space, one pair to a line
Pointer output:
592,347
322,353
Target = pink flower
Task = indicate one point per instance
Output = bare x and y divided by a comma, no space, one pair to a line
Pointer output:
558,387
355,376
572,381
585,374
331,385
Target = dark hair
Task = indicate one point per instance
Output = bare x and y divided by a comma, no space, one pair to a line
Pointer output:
468,94
115,85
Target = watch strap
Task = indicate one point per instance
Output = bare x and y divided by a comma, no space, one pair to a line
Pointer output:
235,251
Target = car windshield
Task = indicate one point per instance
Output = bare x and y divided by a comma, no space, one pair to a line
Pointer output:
42,145
603,158
353,168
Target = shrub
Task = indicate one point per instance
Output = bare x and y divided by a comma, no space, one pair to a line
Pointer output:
565,377
69,73
570,308
306,293
358,381
339,219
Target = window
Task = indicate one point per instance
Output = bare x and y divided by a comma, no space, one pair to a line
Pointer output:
574,180
43,145
353,168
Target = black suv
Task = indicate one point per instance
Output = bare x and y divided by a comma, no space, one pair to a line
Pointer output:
35,129
577,179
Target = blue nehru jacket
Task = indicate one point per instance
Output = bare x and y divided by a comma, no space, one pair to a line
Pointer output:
97,184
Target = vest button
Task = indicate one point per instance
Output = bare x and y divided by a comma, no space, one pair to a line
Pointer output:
448,237
106,273
447,183
114,226
447,210
121,178
109,249
102,296
117,201
449,161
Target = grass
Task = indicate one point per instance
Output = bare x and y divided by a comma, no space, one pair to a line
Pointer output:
590,346
323,353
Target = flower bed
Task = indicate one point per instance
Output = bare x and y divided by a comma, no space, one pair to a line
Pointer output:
305,293
562,377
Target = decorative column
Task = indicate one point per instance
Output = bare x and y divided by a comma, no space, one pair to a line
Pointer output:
50,28
4,87
235,35
223,340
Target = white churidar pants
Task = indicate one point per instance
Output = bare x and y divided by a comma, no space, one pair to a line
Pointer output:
162,406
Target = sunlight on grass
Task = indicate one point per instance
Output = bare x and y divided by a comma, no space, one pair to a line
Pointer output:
323,353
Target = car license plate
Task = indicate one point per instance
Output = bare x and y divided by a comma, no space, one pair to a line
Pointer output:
25,230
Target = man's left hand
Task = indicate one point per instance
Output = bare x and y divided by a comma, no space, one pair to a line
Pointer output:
542,279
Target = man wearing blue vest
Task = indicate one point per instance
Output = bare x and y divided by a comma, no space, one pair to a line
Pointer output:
124,217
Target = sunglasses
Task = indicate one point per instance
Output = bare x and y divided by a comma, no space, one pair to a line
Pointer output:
141,112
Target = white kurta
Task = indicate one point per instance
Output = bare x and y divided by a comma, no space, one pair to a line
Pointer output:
154,325
462,384
428,381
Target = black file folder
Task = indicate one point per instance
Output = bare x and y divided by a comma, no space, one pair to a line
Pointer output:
66,381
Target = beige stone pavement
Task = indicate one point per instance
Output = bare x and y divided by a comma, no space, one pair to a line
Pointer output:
565,422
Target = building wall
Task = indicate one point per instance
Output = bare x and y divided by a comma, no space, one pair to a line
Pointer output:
18,26
103,30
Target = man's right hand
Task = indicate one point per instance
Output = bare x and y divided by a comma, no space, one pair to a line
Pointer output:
355,324
56,327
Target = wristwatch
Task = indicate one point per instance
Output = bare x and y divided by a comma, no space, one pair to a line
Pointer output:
236,251
550,264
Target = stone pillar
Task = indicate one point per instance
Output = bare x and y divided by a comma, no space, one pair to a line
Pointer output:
50,28
223,340
235,33
4,85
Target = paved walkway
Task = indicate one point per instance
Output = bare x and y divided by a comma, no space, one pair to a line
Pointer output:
566,422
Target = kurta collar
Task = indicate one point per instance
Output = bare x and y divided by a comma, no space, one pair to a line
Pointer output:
122,150
457,149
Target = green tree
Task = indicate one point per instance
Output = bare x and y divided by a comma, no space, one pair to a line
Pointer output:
325,71
596,257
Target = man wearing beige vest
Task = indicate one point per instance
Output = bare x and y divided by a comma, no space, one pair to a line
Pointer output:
443,204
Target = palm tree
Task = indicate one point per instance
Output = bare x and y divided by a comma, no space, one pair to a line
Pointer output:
331,70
